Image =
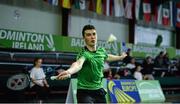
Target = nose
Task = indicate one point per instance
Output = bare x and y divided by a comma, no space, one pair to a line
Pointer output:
92,36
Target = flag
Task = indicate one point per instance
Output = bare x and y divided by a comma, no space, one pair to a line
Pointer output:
166,14
147,10
91,5
104,6
99,7
140,17
155,8
111,7
137,8
159,17
178,15
82,4
79,4
128,9
66,4
118,8
171,13
55,2
76,4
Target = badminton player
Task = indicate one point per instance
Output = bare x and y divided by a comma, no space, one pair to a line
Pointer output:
89,66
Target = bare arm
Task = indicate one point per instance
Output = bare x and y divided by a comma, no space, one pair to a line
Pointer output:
35,82
45,82
115,57
75,67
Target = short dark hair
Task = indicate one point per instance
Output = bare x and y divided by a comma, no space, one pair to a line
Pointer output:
87,27
35,60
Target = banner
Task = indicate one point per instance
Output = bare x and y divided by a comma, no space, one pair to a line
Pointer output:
49,42
123,91
26,40
150,91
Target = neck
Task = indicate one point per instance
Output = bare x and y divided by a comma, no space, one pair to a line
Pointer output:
91,48
37,66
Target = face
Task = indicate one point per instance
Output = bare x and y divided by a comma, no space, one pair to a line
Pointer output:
133,60
39,62
90,37
139,68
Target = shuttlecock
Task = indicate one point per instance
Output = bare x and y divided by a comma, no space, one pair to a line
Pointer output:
111,38
53,77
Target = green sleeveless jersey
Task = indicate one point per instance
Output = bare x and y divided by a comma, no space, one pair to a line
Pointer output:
91,75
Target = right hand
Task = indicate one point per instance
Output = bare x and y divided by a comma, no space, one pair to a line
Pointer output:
123,54
64,75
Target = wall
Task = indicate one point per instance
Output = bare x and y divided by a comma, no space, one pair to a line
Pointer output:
104,28
38,16
31,20
147,35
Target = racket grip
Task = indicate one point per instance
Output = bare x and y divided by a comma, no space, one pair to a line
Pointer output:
53,77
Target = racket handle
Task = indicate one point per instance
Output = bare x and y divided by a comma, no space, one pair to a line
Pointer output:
53,77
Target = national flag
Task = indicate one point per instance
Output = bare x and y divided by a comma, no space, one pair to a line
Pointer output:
66,4
99,7
159,15
178,15
147,10
76,4
91,5
104,6
140,17
79,4
137,8
82,4
55,2
111,7
166,14
171,13
118,8
128,9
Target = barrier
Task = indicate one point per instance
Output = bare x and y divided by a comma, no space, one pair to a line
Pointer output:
125,91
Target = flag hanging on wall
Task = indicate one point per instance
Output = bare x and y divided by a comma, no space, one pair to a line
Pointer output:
66,4
99,7
178,15
166,14
147,10
128,9
137,8
118,8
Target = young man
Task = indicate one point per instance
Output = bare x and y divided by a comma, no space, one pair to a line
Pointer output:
89,66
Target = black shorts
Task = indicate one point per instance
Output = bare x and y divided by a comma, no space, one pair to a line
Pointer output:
91,96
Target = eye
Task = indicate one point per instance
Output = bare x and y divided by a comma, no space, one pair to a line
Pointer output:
94,33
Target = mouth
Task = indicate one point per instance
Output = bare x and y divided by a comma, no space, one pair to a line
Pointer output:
93,41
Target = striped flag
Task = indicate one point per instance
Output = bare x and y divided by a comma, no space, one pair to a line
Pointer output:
147,10
166,14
